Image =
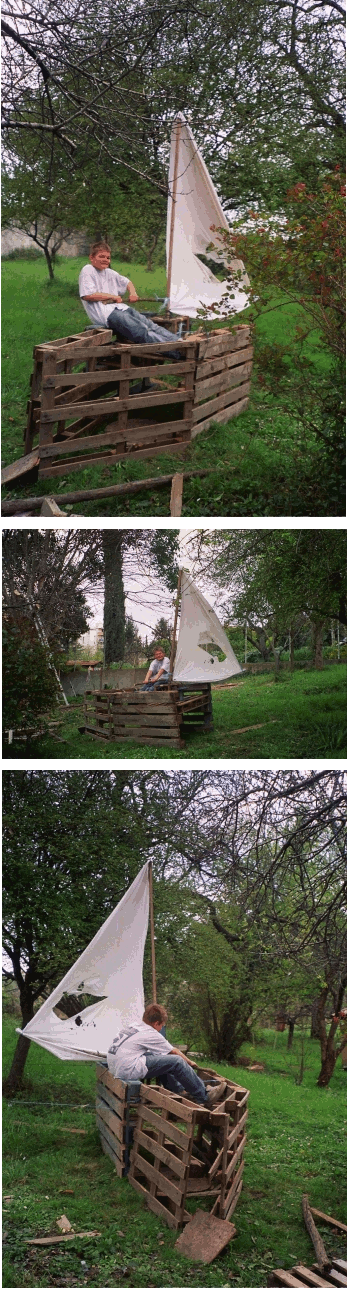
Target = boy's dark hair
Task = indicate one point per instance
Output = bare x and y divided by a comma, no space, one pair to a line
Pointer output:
155,1013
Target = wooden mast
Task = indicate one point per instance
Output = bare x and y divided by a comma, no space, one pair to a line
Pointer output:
172,652
152,936
172,215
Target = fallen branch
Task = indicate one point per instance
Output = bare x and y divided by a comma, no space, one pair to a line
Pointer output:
62,1239
323,1261
19,507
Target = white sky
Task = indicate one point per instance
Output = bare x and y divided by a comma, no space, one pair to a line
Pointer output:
146,598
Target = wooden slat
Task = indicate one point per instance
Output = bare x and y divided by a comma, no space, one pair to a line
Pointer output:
133,373
280,1277
49,368
143,1166
223,381
147,351
112,1101
237,1153
220,417
112,1121
233,1189
325,1217
310,1277
154,1203
223,342
176,494
129,738
113,436
160,723
166,1156
115,1085
118,1164
68,467
21,466
223,400
173,1133
165,1101
225,361
107,405
117,1146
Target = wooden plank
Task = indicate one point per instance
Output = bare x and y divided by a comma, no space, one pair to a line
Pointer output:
52,471
112,1121
223,381
223,342
340,1265
280,1277
223,363
133,373
117,1146
132,738
236,1156
310,1277
118,1086
141,1165
326,1217
21,466
112,436
204,1238
172,1132
159,725
49,367
62,1239
166,1156
118,1163
107,405
176,494
237,1129
164,1100
83,349
220,417
154,1203
233,1189
113,1102
223,400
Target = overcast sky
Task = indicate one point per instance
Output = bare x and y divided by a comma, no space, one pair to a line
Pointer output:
147,598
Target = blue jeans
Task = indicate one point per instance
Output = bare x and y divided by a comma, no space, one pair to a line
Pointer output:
176,1075
133,327
156,684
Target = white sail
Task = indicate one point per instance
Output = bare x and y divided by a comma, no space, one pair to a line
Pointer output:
199,627
111,967
196,208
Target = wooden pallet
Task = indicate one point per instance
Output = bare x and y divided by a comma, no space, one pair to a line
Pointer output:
116,1113
184,1151
161,718
301,1275
83,408
222,379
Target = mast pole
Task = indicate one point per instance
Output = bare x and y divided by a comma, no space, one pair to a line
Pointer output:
152,935
172,214
172,652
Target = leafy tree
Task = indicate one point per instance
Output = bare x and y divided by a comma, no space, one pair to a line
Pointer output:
278,578
132,550
51,572
30,687
303,259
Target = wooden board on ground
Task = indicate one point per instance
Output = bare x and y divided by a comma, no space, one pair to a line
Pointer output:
300,1275
204,1237
22,466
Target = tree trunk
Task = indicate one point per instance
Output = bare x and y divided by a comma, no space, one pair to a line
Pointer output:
329,1053
315,1027
317,627
292,648
14,1080
48,259
114,607
290,1034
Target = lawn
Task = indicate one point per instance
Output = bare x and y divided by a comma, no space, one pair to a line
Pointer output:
300,715
261,463
296,1144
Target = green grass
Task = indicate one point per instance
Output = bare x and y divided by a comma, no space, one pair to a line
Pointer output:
296,1143
261,463
301,715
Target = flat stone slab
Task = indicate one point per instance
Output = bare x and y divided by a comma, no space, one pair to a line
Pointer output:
204,1237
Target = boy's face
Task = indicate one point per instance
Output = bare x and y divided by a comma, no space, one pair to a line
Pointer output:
100,259
159,655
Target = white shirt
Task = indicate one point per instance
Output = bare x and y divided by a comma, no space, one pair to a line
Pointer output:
156,666
108,282
127,1055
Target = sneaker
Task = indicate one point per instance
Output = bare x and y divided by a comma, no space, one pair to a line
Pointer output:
215,1094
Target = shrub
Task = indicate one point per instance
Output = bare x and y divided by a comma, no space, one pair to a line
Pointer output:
23,253
30,687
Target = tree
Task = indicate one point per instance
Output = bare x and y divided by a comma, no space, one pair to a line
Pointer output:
40,199
132,551
50,572
270,86
301,261
30,687
279,578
